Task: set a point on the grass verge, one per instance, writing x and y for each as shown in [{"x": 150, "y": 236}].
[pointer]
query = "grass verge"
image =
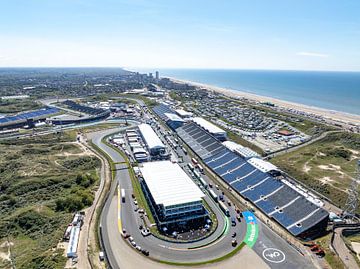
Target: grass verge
[{"x": 222, "y": 258}]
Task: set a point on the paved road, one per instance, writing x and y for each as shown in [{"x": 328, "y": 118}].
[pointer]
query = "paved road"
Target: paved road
[
  {"x": 342, "y": 251},
  {"x": 277, "y": 253}
]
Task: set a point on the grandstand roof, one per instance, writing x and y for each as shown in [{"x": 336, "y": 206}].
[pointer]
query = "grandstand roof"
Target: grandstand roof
[
  {"x": 29, "y": 115},
  {"x": 262, "y": 165},
  {"x": 201, "y": 141},
  {"x": 161, "y": 109},
  {"x": 169, "y": 184},
  {"x": 173, "y": 117},
  {"x": 243, "y": 151},
  {"x": 232, "y": 145},
  {"x": 150, "y": 137},
  {"x": 211, "y": 128}
]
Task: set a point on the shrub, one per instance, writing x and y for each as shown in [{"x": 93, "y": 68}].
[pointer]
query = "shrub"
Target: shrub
[{"x": 74, "y": 201}]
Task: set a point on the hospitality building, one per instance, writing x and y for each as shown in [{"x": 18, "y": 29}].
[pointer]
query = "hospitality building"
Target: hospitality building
[{"x": 175, "y": 200}]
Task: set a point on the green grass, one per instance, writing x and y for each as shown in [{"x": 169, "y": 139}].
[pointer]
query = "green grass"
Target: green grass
[
  {"x": 35, "y": 174},
  {"x": 309, "y": 127},
  {"x": 337, "y": 152},
  {"x": 227, "y": 256},
  {"x": 332, "y": 259},
  {"x": 148, "y": 102},
  {"x": 98, "y": 127},
  {"x": 140, "y": 197},
  {"x": 173, "y": 95},
  {"x": 354, "y": 238},
  {"x": 18, "y": 105}
]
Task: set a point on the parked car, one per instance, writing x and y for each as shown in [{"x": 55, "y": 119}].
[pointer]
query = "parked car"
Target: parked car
[{"x": 145, "y": 232}]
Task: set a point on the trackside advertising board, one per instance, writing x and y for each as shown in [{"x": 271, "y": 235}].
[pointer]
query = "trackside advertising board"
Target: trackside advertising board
[{"x": 252, "y": 228}]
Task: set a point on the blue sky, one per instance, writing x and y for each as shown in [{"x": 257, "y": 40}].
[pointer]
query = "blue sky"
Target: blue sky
[{"x": 257, "y": 34}]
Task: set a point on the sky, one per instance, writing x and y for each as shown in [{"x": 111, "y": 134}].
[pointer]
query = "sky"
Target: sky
[{"x": 257, "y": 34}]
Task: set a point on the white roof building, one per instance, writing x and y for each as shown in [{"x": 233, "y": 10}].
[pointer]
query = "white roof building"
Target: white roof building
[
  {"x": 183, "y": 113},
  {"x": 241, "y": 150},
  {"x": 262, "y": 165},
  {"x": 210, "y": 127},
  {"x": 118, "y": 141},
  {"x": 150, "y": 137},
  {"x": 169, "y": 184},
  {"x": 173, "y": 117}
]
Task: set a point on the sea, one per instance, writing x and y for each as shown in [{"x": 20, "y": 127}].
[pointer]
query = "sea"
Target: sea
[{"x": 339, "y": 91}]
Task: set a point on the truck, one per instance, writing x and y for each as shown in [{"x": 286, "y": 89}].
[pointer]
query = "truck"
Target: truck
[
  {"x": 197, "y": 174},
  {"x": 203, "y": 182},
  {"x": 213, "y": 195},
  {"x": 122, "y": 191},
  {"x": 67, "y": 233},
  {"x": 200, "y": 168},
  {"x": 191, "y": 167},
  {"x": 224, "y": 208},
  {"x": 195, "y": 162}
]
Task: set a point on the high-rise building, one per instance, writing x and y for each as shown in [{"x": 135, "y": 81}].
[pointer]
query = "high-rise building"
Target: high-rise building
[{"x": 157, "y": 75}]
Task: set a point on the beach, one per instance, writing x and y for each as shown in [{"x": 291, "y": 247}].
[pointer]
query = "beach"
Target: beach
[{"x": 330, "y": 115}]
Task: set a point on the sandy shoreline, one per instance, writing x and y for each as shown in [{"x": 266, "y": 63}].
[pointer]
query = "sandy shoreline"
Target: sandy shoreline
[{"x": 326, "y": 113}]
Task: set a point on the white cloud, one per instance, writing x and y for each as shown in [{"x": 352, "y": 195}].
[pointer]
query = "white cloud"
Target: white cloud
[{"x": 312, "y": 54}]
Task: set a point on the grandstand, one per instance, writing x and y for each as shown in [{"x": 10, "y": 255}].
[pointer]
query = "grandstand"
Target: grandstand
[
  {"x": 26, "y": 118},
  {"x": 93, "y": 114},
  {"x": 174, "y": 121},
  {"x": 211, "y": 128},
  {"x": 84, "y": 109},
  {"x": 199, "y": 140},
  {"x": 256, "y": 181},
  {"x": 161, "y": 109}
]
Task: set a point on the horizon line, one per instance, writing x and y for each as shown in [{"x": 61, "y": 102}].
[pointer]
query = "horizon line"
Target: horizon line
[{"x": 176, "y": 68}]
